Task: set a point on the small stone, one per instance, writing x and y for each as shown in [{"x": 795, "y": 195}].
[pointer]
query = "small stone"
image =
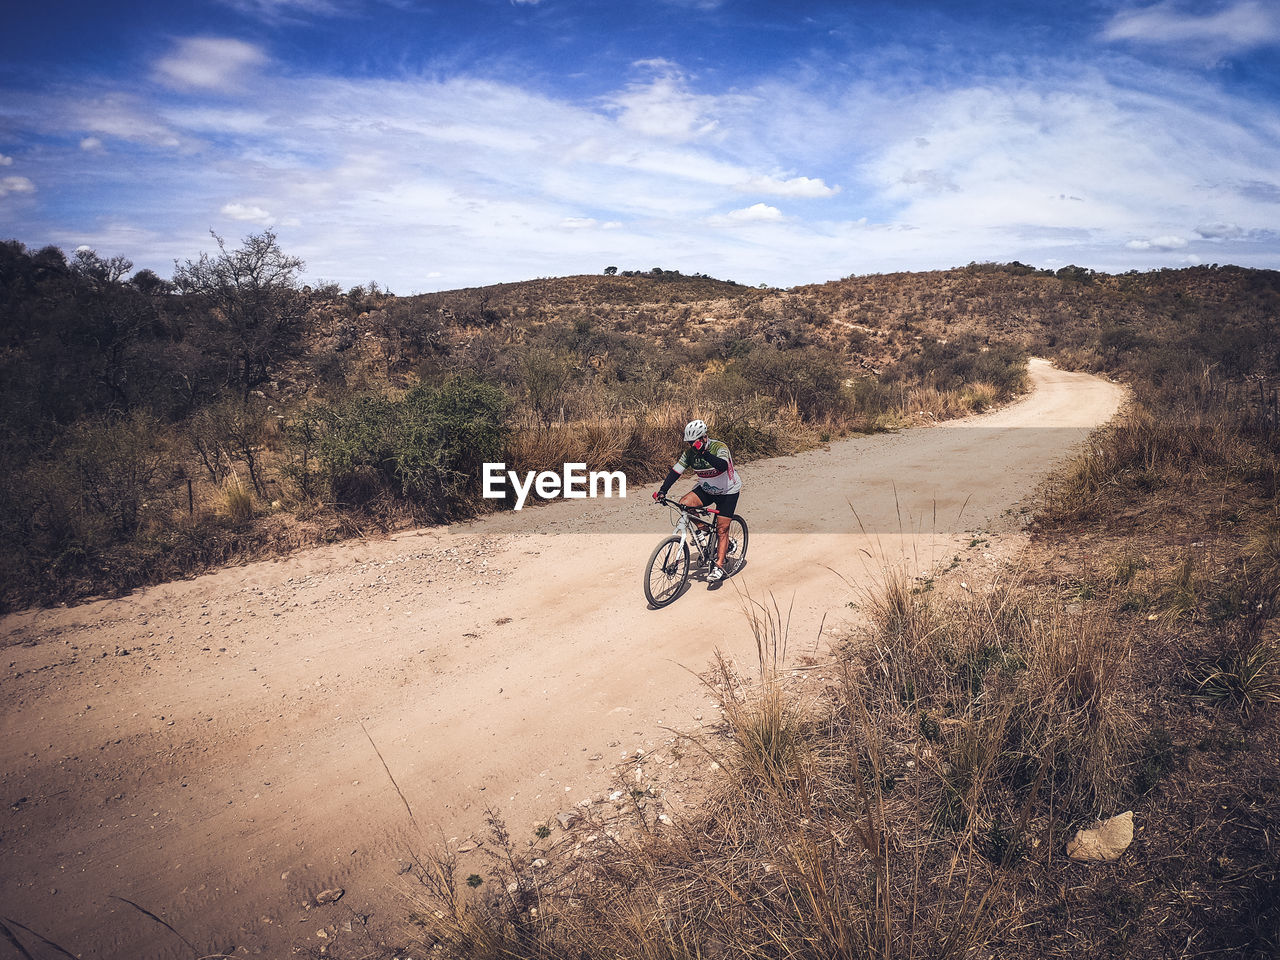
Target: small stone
[
  {"x": 567, "y": 818},
  {"x": 330, "y": 896},
  {"x": 1107, "y": 841},
  {"x": 538, "y": 864}
]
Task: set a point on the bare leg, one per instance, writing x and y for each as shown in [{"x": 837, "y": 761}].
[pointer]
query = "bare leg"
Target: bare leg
[{"x": 691, "y": 499}]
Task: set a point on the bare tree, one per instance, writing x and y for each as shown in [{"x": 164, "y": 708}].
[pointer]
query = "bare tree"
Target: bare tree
[{"x": 254, "y": 302}]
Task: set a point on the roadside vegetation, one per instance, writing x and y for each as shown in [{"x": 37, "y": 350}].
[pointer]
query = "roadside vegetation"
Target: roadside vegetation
[
  {"x": 920, "y": 804},
  {"x": 153, "y": 428}
]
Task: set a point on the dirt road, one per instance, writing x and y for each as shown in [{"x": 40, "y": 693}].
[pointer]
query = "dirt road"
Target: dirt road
[{"x": 200, "y": 748}]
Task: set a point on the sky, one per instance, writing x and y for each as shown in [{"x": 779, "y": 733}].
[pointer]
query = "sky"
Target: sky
[{"x": 435, "y": 145}]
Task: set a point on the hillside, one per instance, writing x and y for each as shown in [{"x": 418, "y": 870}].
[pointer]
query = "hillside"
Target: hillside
[
  {"x": 918, "y": 800},
  {"x": 154, "y": 428}
]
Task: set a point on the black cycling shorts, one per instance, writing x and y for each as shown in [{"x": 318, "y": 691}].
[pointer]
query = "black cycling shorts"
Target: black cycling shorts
[{"x": 726, "y": 503}]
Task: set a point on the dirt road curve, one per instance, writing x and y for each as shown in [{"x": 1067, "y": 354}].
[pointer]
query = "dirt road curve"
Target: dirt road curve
[{"x": 197, "y": 748}]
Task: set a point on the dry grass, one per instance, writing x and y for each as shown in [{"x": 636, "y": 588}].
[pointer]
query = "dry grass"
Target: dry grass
[
  {"x": 235, "y": 500},
  {"x": 881, "y": 819}
]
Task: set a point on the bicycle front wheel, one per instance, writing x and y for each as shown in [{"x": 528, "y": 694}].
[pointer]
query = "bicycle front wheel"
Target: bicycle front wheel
[{"x": 667, "y": 572}]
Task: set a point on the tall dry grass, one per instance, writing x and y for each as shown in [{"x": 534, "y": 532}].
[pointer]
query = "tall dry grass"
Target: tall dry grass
[{"x": 883, "y": 818}]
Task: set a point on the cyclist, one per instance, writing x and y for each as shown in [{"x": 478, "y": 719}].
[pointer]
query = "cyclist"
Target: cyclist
[{"x": 718, "y": 483}]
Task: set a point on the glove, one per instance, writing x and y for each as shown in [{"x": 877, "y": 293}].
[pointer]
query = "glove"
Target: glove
[
  {"x": 700, "y": 444},
  {"x": 657, "y": 495}
]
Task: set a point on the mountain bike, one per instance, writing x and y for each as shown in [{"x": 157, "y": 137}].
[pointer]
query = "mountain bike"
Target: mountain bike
[{"x": 697, "y": 538}]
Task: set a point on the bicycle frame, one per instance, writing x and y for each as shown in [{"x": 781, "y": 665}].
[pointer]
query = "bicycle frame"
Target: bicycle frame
[{"x": 688, "y": 519}]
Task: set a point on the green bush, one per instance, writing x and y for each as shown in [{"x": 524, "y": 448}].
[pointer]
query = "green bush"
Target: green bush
[
  {"x": 425, "y": 447},
  {"x": 445, "y": 435}
]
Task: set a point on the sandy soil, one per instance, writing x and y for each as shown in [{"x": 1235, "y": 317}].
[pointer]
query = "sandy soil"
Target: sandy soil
[{"x": 205, "y": 748}]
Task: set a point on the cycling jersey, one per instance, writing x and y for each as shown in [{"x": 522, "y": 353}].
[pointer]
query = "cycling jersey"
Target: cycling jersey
[{"x": 710, "y": 478}]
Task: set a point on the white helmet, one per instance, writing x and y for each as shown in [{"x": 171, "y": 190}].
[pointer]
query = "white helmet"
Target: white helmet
[{"x": 694, "y": 430}]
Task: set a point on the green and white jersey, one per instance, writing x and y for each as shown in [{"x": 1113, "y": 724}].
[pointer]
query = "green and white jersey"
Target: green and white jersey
[{"x": 709, "y": 477}]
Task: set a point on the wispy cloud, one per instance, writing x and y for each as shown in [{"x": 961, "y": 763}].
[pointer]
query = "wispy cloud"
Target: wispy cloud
[
  {"x": 5, "y": 161},
  {"x": 1241, "y": 26},
  {"x": 460, "y": 180},
  {"x": 1158, "y": 243},
  {"x": 793, "y": 187},
  {"x": 279, "y": 11},
  {"x": 112, "y": 115},
  {"x": 210, "y": 63}
]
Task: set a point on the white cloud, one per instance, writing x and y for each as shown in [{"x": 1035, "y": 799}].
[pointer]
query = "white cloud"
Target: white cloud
[
  {"x": 1241, "y": 26},
  {"x": 10, "y": 185},
  {"x": 1158, "y": 243},
  {"x": 664, "y": 107},
  {"x": 982, "y": 171},
  {"x": 90, "y": 144},
  {"x": 5, "y": 161},
  {"x": 486, "y": 181},
  {"x": 209, "y": 63},
  {"x": 799, "y": 187},
  {"x": 247, "y": 213},
  {"x": 755, "y": 212}
]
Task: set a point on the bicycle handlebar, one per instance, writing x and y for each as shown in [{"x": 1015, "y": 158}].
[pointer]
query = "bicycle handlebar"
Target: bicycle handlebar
[{"x": 684, "y": 507}]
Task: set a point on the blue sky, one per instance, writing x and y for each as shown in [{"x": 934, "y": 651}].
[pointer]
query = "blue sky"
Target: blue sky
[{"x": 429, "y": 145}]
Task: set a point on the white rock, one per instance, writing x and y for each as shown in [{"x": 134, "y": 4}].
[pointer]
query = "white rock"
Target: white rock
[{"x": 1107, "y": 841}]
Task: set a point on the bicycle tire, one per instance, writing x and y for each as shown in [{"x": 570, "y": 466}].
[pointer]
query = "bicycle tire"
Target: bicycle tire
[
  {"x": 672, "y": 560},
  {"x": 734, "y": 560}
]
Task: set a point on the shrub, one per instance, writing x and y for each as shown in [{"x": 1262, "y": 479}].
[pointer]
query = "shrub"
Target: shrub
[
  {"x": 116, "y": 466},
  {"x": 811, "y": 378},
  {"x": 955, "y": 363},
  {"x": 424, "y": 447},
  {"x": 444, "y": 436}
]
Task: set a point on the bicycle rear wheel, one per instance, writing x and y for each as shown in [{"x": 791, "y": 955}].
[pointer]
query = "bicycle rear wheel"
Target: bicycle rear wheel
[
  {"x": 667, "y": 572},
  {"x": 736, "y": 554}
]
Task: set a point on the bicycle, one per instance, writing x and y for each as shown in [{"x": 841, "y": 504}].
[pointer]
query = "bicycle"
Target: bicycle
[{"x": 669, "y": 567}]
